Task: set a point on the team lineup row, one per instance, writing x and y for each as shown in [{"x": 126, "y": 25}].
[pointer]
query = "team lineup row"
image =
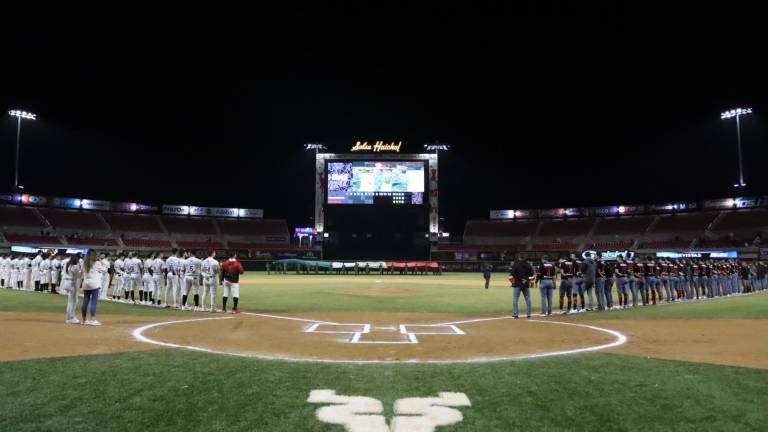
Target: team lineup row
[
  {"x": 649, "y": 282},
  {"x": 160, "y": 281}
]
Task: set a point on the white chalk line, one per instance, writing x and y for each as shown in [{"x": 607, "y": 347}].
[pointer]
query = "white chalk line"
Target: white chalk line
[{"x": 620, "y": 340}]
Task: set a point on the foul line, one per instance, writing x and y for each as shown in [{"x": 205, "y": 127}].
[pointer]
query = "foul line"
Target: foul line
[{"x": 620, "y": 340}]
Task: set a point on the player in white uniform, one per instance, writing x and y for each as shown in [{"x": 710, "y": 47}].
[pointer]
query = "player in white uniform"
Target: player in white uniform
[
  {"x": 172, "y": 278},
  {"x": 104, "y": 277},
  {"x": 133, "y": 276},
  {"x": 26, "y": 273},
  {"x": 119, "y": 267},
  {"x": 55, "y": 273},
  {"x": 182, "y": 270},
  {"x": 145, "y": 289},
  {"x": 14, "y": 271},
  {"x": 211, "y": 271},
  {"x": 158, "y": 279},
  {"x": 35, "y": 270},
  {"x": 44, "y": 271},
  {"x": 192, "y": 268},
  {"x": 4, "y": 272}
]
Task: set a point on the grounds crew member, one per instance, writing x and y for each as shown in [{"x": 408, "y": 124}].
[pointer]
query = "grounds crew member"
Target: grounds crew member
[{"x": 520, "y": 275}]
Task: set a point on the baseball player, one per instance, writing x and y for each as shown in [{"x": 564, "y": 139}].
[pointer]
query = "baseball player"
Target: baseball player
[
  {"x": 132, "y": 277},
  {"x": 35, "y": 270},
  {"x": 192, "y": 271},
  {"x": 231, "y": 270},
  {"x": 622, "y": 281},
  {"x": 210, "y": 270},
  {"x": 172, "y": 279},
  {"x": 157, "y": 268},
  {"x": 3, "y": 271},
  {"x": 55, "y": 272},
  {"x": 44, "y": 272},
  {"x": 545, "y": 276},
  {"x": 119, "y": 267},
  {"x": 566, "y": 283},
  {"x": 104, "y": 276},
  {"x": 577, "y": 290},
  {"x": 26, "y": 273},
  {"x": 146, "y": 280}
]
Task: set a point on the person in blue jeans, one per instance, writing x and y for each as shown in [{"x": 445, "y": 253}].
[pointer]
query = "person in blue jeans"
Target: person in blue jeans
[
  {"x": 93, "y": 269},
  {"x": 545, "y": 275},
  {"x": 520, "y": 275}
]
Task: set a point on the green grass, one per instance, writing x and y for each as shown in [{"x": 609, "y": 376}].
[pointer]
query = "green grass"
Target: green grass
[
  {"x": 168, "y": 390},
  {"x": 438, "y": 294}
]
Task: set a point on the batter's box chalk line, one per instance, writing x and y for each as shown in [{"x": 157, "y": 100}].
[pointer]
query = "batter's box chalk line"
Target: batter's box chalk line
[
  {"x": 408, "y": 332},
  {"x": 409, "y": 329}
]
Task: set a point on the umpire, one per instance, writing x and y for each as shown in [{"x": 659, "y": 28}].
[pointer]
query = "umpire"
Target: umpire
[
  {"x": 487, "y": 269},
  {"x": 520, "y": 275}
]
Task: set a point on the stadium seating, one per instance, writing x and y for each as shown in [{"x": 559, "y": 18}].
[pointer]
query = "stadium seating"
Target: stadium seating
[
  {"x": 19, "y": 217},
  {"x": 565, "y": 228},
  {"x": 32, "y": 239},
  {"x": 694, "y": 222},
  {"x": 623, "y": 226},
  {"x": 555, "y": 247},
  {"x": 498, "y": 231},
  {"x": 144, "y": 243},
  {"x": 265, "y": 246},
  {"x": 612, "y": 245},
  {"x": 92, "y": 242},
  {"x": 668, "y": 244},
  {"x": 481, "y": 248},
  {"x": 755, "y": 220},
  {"x": 73, "y": 220},
  {"x": 189, "y": 244},
  {"x": 255, "y": 227},
  {"x": 183, "y": 225},
  {"x": 133, "y": 223}
]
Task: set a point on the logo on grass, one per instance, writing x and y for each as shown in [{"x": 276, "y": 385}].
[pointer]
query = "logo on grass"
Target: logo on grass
[{"x": 364, "y": 414}]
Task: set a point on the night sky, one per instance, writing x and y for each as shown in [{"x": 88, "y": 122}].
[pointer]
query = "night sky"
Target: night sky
[{"x": 541, "y": 110}]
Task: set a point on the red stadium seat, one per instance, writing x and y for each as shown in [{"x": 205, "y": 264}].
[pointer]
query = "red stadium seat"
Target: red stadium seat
[
  {"x": 32, "y": 239},
  {"x": 143, "y": 243},
  {"x": 73, "y": 220},
  {"x": 19, "y": 217},
  {"x": 128, "y": 223}
]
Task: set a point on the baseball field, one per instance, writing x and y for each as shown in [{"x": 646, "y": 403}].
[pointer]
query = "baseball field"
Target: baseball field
[{"x": 699, "y": 365}]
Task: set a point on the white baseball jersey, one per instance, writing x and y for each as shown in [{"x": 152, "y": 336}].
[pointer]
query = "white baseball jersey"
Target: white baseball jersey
[
  {"x": 210, "y": 267},
  {"x": 45, "y": 266},
  {"x": 192, "y": 267},
  {"x": 35, "y": 264},
  {"x": 172, "y": 265},
  {"x": 133, "y": 266},
  {"x": 147, "y": 265},
  {"x": 119, "y": 267},
  {"x": 26, "y": 264},
  {"x": 157, "y": 265}
]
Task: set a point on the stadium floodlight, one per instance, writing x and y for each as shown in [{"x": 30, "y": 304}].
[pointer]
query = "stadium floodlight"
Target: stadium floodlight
[
  {"x": 437, "y": 146},
  {"x": 19, "y": 114},
  {"x": 315, "y": 146},
  {"x": 737, "y": 112}
]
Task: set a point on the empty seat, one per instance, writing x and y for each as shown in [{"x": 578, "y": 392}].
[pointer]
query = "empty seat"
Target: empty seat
[
  {"x": 19, "y": 216},
  {"x": 500, "y": 228},
  {"x": 695, "y": 222},
  {"x": 623, "y": 225},
  {"x": 182, "y": 225},
  {"x": 133, "y": 223},
  {"x": 32, "y": 239},
  {"x": 253, "y": 227},
  {"x": 144, "y": 243},
  {"x": 566, "y": 228},
  {"x": 73, "y": 220}
]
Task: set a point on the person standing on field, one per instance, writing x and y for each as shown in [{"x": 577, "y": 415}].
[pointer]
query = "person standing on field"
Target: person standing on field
[
  {"x": 210, "y": 270},
  {"x": 487, "y": 269},
  {"x": 93, "y": 269},
  {"x": 545, "y": 276},
  {"x": 520, "y": 275},
  {"x": 70, "y": 272},
  {"x": 231, "y": 270}
]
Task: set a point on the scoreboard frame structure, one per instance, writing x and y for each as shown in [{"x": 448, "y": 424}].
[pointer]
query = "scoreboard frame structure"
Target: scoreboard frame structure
[{"x": 321, "y": 183}]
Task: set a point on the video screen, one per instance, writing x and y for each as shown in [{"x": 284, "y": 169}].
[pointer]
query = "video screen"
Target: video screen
[{"x": 376, "y": 182}]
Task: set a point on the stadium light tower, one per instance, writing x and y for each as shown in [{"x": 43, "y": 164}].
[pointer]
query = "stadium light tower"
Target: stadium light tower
[
  {"x": 737, "y": 112},
  {"x": 19, "y": 114}
]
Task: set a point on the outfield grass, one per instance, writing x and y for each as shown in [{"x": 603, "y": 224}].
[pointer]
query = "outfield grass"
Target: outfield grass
[{"x": 169, "y": 390}]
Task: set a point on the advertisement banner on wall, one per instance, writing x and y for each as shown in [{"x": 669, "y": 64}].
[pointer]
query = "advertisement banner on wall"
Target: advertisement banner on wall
[{"x": 176, "y": 209}]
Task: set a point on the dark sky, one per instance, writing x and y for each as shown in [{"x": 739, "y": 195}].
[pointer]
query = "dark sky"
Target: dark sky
[{"x": 543, "y": 108}]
